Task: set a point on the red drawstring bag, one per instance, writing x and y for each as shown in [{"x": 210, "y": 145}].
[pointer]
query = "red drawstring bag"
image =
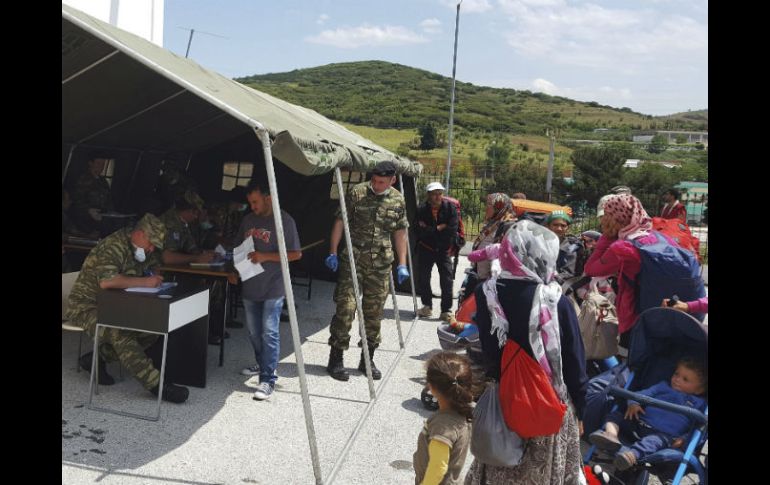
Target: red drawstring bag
[{"x": 529, "y": 402}]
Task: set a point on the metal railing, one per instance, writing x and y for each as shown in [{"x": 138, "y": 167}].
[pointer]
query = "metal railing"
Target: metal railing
[{"x": 472, "y": 191}]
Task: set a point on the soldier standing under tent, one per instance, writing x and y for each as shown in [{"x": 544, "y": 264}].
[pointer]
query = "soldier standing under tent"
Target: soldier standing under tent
[{"x": 375, "y": 212}]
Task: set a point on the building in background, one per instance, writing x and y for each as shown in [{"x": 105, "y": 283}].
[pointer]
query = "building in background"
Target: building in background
[
  {"x": 141, "y": 17},
  {"x": 694, "y": 196}
]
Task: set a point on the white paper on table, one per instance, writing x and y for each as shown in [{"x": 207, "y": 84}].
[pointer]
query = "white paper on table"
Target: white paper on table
[
  {"x": 241, "y": 260},
  {"x": 143, "y": 289},
  {"x": 220, "y": 250}
]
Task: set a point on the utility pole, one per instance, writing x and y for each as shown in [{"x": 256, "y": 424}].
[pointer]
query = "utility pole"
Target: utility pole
[
  {"x": 192, "y": 32},
  {"x": 452, "y": 102},
  {"x": 551, "y": 135}
]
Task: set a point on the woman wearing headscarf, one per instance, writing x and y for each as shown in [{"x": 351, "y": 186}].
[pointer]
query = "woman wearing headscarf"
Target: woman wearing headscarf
[
  {"x": 624, "y": 221},
  {"x": 499, "y": 216},
  {"x": 526, "y": 293}
]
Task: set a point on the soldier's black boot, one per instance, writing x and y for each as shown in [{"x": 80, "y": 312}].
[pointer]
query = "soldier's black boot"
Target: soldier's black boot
[
  {"x": 103, "y": 377},
  {"x": 336, "y": 368},
  {"x": 376, "y": 374}
]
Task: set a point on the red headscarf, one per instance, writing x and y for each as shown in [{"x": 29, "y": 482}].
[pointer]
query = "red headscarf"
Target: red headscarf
[{"x": 628, "y": 211}]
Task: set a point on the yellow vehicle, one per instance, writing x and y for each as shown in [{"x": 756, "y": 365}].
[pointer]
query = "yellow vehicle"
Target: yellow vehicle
[{"x": 526, "y": 206}]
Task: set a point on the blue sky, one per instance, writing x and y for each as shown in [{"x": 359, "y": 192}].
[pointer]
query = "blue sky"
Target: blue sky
[{"x": 648, "y": 55}]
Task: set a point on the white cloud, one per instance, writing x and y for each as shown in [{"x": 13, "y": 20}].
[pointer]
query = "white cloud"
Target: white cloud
[
  {"x": 469, "y": 6},
  {"x": 322, "y": 19},
  {"x": 545, "y": 86},
  {"x": 431, "y": 26},
  {"x": 589, "y": 35},
  {"x": 367, "y": 35},
  {"x": 608, "y": 95}
]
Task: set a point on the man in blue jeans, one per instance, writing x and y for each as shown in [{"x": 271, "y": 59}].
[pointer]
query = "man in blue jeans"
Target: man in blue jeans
[{"x": 263, "y": 294}]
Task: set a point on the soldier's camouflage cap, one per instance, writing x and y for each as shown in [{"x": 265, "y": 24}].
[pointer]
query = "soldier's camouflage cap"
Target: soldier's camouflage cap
[
  {"x": 153, "y": 228},
  {"x": 194, "y": 199}
]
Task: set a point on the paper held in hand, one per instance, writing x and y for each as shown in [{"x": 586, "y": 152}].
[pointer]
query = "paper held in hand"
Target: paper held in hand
[{"x": 241, "y": 260}]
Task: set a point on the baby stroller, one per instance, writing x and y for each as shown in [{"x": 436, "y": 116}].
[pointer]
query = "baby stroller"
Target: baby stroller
[
  {"x": 460, "y": 335},
  {"x": 660, "y": 338}
]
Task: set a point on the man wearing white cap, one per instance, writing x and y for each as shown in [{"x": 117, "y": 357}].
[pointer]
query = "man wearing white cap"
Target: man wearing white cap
[{"x": 436, "y": 232}]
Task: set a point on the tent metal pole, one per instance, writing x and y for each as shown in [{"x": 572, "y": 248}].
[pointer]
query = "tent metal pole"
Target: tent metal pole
[
  {"x": 264, "y": 139},
  {"x": 67, "y": 165},
  {"x": 89, "y": 67},
  {"x": 189, "y": 161},
  {"x": 138, "y": 113},
  {"x": 395, "y": 310},
  {"x": 354, "y": 277},
  {"x": 409, "y": 245},
  {"x": 133, "y": 176}
]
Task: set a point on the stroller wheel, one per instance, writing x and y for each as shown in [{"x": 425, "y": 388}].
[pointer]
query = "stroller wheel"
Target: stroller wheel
[{"x": 428, "y": 400}]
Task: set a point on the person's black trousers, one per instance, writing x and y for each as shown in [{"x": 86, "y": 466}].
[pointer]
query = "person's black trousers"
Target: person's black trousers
[{"x": 443, "y": 262}]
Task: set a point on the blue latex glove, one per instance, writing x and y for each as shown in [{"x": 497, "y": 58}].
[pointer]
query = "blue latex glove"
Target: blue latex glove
[
  {"x": 331, "y": 262},
  {"x": 403, "y": 273}
]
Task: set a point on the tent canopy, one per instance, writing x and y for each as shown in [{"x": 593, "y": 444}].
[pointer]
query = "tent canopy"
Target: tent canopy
[{"x": 156, "y": 100}]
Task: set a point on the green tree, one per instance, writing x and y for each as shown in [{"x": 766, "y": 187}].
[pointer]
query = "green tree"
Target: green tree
[
  {"x": 428, "y": 140},
  {"x": 524, "y": 177},
  {"x": 597, "y": 170},
  {"x": 658, "y": 144},
  {"x": 650, "y": 178},
  {"x": 498, "y": 154}
]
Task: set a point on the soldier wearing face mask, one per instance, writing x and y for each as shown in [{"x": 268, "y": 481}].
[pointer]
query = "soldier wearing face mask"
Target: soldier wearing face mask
[
  {"x": 124, "y": 259},
  {"x": 225, "y": 218}
]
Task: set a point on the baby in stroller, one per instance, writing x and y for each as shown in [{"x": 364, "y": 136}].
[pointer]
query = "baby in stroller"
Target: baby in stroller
[
  {"x": 665, "y": 343},
  {"x": 655, "y": 429}
]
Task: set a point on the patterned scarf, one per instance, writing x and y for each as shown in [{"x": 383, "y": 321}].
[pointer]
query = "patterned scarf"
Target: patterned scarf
[
  {"x": 628, "y": 211},
  {"x": 528, "y": 252},
  {"x": 502, "y": 211}
]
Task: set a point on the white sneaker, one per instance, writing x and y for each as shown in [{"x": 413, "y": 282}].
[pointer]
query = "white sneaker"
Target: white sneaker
[
  {"x": 264, "y": 391},
  {"x": 252, "y": 370},
  {"x": 425, "y": 312}
]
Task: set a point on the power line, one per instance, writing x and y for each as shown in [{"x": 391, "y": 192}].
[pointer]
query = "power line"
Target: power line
[{"x": 192, "y": 32}]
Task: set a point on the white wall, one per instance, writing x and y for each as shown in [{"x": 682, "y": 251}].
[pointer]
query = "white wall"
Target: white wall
[{"x": 141, "y": 17}]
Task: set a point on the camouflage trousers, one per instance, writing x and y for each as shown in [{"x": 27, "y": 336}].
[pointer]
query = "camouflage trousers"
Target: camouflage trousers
[
  {"x": 374, "y": 284},
  {"x": 125, "y": 346}
]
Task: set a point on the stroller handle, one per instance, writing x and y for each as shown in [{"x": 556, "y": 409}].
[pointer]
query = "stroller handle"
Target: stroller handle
[{"x": 694, "y": 414}]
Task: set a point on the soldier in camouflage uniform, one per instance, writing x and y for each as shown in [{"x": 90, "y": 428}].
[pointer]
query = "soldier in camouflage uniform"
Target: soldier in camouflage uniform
[
  {"x": 120, "y": 261},
  {"x": 92, "y": 195},
  {"x": 375, "y": 212},
  {"x": 181, "y": 248},
  {"x": 225, "y": 218}
]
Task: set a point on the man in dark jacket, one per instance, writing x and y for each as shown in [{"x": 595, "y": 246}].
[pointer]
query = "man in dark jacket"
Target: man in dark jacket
[{"x": 436, "y": 233}]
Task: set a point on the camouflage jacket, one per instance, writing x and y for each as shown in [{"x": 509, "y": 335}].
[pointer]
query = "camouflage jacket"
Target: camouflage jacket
[
  {"x": 112, "y": 256},
  {"x": 374, "y": 218},
  {"x": 92, "y": 193},
  {"x": 226, "y": 223},
  {"x": 178, "y": 235}
]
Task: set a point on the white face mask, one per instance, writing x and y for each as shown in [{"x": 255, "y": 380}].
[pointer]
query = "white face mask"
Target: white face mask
[
  {"x": 377, "y": 193},
  {"x": 206, "y": 225},
  {"x": 139, "y": 255}
]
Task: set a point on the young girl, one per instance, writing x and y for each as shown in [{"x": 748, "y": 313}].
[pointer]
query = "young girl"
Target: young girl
[{"x": 446, "y": 436}]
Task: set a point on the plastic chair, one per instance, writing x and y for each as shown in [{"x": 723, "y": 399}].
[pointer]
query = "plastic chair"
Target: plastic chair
[{"x": 67, "y": 280}]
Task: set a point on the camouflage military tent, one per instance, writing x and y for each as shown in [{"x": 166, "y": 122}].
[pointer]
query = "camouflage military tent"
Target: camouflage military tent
[{"x": 157, "y": 100}]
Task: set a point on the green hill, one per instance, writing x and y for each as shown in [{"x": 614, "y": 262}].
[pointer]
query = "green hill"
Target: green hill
[{"x": 386, "y": 95}]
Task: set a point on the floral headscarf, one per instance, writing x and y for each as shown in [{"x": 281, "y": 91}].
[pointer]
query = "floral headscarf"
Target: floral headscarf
[
  {"x": 528, "y": 252},
  {"x": 628, "y": 211}
]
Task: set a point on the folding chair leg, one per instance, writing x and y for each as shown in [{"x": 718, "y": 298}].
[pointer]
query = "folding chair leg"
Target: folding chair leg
[{"x": 77, "y": 358}]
